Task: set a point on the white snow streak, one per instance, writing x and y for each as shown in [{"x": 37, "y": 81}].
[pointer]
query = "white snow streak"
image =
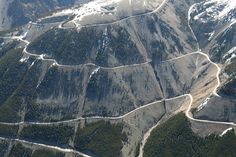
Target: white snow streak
[{"x": 224, "y": 132}]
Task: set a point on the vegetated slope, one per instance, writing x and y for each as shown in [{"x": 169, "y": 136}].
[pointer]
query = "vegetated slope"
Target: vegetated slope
[
  {"x": 18, "y": 82},
  {"x": 218, "y": 109},
  {"x": 92, "y": 135},
  {"x": 175, "y": 138},
  {"x": 3, "y": 147},
  {"x": 209, "y": 18},
  {"x": 101, "y": 139},
  {"x": 229, "y": 88},
  {"x": 130, "y": 53},
  {"x": 53, "y": 135},
  {"x": 98, "y": 138},
  {"x": 110, "y": 47},
  {"x": 213, "y": 23},
  {"x": 20, "y": 150},
  {"x": 222, "y": 50},
  {"x": 131, "y": 71},
  {"x": 222, "y": 108}
]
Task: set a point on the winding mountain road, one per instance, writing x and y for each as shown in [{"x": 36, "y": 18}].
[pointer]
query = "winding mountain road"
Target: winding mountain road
[
  {"x": 114, "y": 22},
  {"x": 64, "y": 150},
  {"x": 188, "y": 111}
]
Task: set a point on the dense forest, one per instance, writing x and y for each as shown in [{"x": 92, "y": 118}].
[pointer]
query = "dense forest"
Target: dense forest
[
  {"x": 19, "y": 150},
  {"x": 88, "y": 45},
  {"x": 176, "y": 139},
  {"x": 55, "y": 135},
  {"x": 101, "y": 138}
]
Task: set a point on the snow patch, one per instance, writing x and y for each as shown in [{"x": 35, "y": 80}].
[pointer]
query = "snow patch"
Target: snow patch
[
  {"x": 104, "y": 42},
  {"x": 38, "y": 84},
  {"x": 94, "y": 72},
  {"x": 211, "y": 35},
  {"x": 224, "y": 132},
  {"x": 230, "y": 55},
  {"x": 198, "y": 16},
  {"x": 230, "y": 4},
  {"x": 92, "y": 8},
  {"x": 41, "y": 57},
  {"x": 24, "y": 34},
  {"x": 54, "y": 64},
  {"x": 32, "y": 64},
  {"x": 106, "y": 39},
  {"x": 228, "y": 61},
  {"x": 200, "y": 107},
  {"x": 24, "y": 59},
  {"x": 216, "y": 10},
  {"x": 2, "y": 43}
]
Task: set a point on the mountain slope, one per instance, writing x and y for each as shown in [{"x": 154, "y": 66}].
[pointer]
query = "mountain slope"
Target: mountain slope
[
  {"x": 19, "y": 12},
  {"x": 120, "y": 67}
]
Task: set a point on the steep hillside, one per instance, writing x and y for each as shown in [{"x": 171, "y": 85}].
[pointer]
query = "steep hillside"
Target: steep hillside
[
  {"x": 186, "y": 143},
  {"x": 96, "y": 79},
  {"x": 213, "y": 22},
  {"x": 19, "y": 12}
]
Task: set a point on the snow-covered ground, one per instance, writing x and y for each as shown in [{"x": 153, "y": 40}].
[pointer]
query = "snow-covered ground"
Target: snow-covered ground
[
  {"x": 224, "y": 132},
  {"x": 202, "y": 105},
  {"x": 212, "y": 18},
  {"x": 217, "y": 9},
  {"x": 99, "y": 11},
  {"x": 230, "y": 55}
]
